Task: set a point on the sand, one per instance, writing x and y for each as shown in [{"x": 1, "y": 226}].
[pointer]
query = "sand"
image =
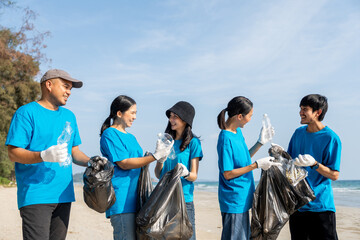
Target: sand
[{"x": 88, "y": 224}]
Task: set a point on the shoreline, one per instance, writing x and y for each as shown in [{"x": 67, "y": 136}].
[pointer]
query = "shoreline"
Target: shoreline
[{"x": 85, "y": 223}]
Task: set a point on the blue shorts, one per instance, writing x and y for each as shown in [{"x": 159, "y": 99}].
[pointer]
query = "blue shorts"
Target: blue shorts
[
  {"x": 191, "y": 214},
  {"x": 124, "y": 226},
  {"x": 236, "y": 226}
]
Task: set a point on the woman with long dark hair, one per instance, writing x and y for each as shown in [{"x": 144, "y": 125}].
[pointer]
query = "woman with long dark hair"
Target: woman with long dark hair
[
  {"x": 122, "y": 148},
  {"x": 188, "y": 152},
  {"x": 236, "y": 181}
]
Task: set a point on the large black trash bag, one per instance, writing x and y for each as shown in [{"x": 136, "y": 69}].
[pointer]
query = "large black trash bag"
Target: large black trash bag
[
  {"x": 144, "y": 189},
  {"x": 280, "y": 192},
  {"x": 98, "y": 190},
  {"x": 164, "y": 214}
]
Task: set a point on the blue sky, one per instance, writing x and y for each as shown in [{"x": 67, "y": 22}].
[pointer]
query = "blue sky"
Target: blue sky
[{"x": 206, "y": 52}]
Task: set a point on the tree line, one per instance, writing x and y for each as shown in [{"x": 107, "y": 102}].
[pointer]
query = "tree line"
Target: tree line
[{"x": 20, "y": 58}]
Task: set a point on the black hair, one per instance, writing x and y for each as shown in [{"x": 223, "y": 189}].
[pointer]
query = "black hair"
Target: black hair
[
  {"x": 121, "y": 103},
  {"x": 237, "y": 105},
  {"x": 316, "y": 102}
]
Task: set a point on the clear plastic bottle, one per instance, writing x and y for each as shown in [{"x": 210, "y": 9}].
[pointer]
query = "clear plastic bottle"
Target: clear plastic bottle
[
  {"x": 167, "y": 140},
  {"x": 65, "y": 137},
  {"x": 267, "y": 125}
]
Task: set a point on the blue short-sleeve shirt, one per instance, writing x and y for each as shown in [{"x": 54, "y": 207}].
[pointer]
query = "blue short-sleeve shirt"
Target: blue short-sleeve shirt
[
  {"x": 36, "y": 128},
  {"x": 235, "y": 195},
  {"x": 193, "y": 150},
  {"x": 117, "y": 146},
  {"x": 325, "y": 147}
]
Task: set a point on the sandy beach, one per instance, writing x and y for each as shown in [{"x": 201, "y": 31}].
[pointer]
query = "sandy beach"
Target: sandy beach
[{"x": 88, "y": 224}]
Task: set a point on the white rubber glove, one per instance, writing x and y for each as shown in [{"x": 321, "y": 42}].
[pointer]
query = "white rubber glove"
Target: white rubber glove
[
  {"x": 266, "y": 162},
  {"x": 162, "y": 151},
  {"x": 56, "y": 153},
  {"x": 266, "y": 134},
  {"x": 185, "y": 172},
  {"x": 305, "y": 160}
]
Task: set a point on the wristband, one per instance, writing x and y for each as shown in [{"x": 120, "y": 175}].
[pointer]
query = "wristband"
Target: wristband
[{"x": 316, "y": 166}]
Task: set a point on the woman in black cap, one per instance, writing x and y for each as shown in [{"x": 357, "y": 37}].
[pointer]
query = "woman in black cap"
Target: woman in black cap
[{"x": 188, "y": 152}]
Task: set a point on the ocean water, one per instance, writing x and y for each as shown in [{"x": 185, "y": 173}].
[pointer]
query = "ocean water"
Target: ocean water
[{"x": 346, "y": 192}]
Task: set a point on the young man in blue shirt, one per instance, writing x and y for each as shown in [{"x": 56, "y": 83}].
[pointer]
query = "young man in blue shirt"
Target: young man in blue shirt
[
  {"x": 317, "y": 148},
  {"x": 43, "y": 166}
]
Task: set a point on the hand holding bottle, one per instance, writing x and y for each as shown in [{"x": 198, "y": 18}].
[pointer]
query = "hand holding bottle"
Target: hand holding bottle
[
  {"x": 267, "y": 131},
  {"x": 56, "y": 153}
]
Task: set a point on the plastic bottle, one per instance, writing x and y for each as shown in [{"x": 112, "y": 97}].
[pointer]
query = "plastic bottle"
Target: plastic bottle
[
  {"x": 65, "y": 137},
  {"x": 267, "y": 125},
  {"x": 167, "y": 140}
]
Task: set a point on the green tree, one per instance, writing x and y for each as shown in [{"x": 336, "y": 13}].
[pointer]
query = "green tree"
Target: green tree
[{"x": 20, "y": 58}]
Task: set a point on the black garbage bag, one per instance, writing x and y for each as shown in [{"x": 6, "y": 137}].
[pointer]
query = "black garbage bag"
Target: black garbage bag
[
  {"x": 99, "y": 193},
  {"x": 164, "y": 214},
  {"x": 144, "y": 189},
  {"x": 280, "y": 192}
]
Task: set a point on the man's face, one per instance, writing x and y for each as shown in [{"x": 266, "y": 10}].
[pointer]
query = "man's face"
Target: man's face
[
  {"x": 60, "y": 91},
  {"x": 307, "y": 115}
]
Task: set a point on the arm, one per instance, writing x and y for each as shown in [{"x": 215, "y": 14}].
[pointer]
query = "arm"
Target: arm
[
  {"x": 158, "y": 168},
  {"x": 79, "y": 158},
  {"x": 327, "y": 172},
  {"x": 307, "y": 160},
  {"x": 21, "y": 155},
  {"x": 239, "y": 171},
  {"x": 255, "y": 148},
  {"x": 132, "y": 163},
  {"x": 194, "y": 168}
]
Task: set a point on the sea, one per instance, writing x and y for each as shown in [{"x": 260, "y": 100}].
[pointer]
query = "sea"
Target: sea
[{"x": 346, "y": 192}]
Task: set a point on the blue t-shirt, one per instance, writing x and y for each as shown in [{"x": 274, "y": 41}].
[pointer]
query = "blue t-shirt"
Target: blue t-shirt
[
  {"x": 36, "y": 128},
  {"x": 325, "y": 147},
  {"x": 235, "y": 195},
  {"x": 117, "y": 146},
  {"x": 193, "y": 150}
]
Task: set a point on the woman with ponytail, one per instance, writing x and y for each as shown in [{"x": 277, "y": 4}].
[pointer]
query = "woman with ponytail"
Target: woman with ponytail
[
  {"x": 236, "y": 181},
  {"x": 188, "y": 152},
  {"x": 122, "y": 149}
]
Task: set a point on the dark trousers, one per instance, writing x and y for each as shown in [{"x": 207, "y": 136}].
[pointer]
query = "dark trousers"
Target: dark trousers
[
  {"x": 45, "y": 221},
  {"x": 313, "y": 226}
]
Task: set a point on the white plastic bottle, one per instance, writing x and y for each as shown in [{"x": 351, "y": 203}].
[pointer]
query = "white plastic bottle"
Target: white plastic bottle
[
  {"x": 267, "y": 125},
  {"x": 65, "y": 137},
  {"x": 167, "y": 140}
]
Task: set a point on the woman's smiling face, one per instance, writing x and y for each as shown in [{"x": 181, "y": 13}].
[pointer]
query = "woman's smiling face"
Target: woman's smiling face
[{"x": 177, "y": 124}]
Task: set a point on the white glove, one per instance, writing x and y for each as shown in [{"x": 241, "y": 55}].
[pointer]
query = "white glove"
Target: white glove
[
  {"x": 266, "y": 162},
  {"x": 266, "y": 134},
  {"x": 185, "y": 172},
  {"x": 304, "y": 160},
  {"x": 162, "y": 151},
  {"x": 56, "y": 153}
]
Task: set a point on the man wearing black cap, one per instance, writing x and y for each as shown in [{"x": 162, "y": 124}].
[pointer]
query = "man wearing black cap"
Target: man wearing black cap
[{"x": 43, "y": 165}]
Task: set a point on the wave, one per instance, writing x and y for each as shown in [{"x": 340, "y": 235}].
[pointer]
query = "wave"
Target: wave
[{"x": 349, "y": 190}]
